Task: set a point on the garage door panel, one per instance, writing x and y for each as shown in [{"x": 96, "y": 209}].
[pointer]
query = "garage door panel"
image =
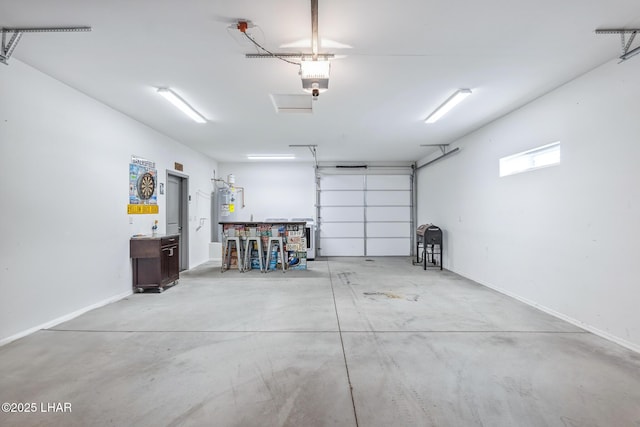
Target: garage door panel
[
  {"x": 391, "y": 213},
  {"x": 341, "y": 214},
  {"x": 348, "y": 229},
  {"x": 343, "y": 247},
  {"x": 388, "y": 247},
  {"x": 388, "y": 182},
  {"x": 342, "y": 198},
  {"x": 389, "y": 229},
  {"x": 342, "y": 182},
  {"x": 386, "y": 198}
]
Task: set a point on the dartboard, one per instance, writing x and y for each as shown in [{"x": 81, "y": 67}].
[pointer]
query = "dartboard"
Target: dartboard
[{"x": 146, "y": 186}]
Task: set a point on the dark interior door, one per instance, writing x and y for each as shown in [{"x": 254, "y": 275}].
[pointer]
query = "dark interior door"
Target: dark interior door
[{"x": 177, "y": 214}]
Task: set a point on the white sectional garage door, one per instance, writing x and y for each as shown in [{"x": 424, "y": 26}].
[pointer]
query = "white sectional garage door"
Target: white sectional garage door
[{"x": 365, "y": 215}]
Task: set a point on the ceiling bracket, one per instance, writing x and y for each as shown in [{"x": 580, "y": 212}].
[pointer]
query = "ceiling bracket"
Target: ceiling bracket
[
  {"x": 7, "y": 48},
  {"x": 627, "y": 52},
  {"x": 301, "y": 56},
  {"x": 312, "y": 148},
  {"x": 443, "y": 147},
  {"x": 442, "y": 156}
]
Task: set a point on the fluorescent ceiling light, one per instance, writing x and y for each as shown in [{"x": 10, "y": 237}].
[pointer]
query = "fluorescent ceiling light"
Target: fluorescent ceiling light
[
  {"x": 181, "y": 104},
  {"x": 453, "y": 100},
  {"x": 271, "y": 157}
]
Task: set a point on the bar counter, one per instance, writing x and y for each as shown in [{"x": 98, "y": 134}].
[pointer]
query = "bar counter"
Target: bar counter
[{"x": 292, "y": 233}]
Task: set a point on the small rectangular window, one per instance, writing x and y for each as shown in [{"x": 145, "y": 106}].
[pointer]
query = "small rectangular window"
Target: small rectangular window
[{"x": 536, "y": 158}]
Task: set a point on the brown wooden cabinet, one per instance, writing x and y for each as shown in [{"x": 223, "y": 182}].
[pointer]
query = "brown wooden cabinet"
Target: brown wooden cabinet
[{"x": 156, "y": 261}]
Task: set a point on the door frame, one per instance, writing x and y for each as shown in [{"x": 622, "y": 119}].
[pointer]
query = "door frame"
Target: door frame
[
  {"x": 184, "y": 216},
  {"x": 366, "y": 172}
]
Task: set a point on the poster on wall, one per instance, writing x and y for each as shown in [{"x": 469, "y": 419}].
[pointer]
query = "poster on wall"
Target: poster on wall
[{"x": 143, "y": 198}]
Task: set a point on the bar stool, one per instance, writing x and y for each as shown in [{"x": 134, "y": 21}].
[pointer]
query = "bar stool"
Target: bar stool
[
  {"x": 227, "y": 253},
  {"x": 247, "y": 252},
  {"x": 278, "y": 240}
]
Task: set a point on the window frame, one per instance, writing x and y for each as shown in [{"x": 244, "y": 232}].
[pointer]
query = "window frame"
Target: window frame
[{"x": 507, "y": 165}]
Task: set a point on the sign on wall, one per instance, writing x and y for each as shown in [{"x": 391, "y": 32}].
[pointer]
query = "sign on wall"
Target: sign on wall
[{"x": 143, "y": 198}]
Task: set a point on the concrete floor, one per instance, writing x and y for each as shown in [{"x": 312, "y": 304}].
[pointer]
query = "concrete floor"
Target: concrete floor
[{"x": 351, "y": 342}]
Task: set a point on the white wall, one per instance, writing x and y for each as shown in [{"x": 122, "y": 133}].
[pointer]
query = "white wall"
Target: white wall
[
  {"x": 563, "y": 238},
  {"x": 273, "y": 190},
  {"x": 64, "y": 227}
]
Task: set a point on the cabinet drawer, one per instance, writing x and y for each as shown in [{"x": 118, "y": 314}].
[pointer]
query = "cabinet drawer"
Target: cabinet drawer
[{"x": 169, "y": 240}]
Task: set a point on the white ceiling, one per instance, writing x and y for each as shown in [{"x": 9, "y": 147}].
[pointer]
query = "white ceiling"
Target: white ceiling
[{"x": 407, "y": 57}]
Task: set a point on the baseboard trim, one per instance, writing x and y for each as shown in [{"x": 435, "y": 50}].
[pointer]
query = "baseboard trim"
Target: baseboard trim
[
  {"x": 64, "y": 318},
  {"x": 575, "y": 322}
]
